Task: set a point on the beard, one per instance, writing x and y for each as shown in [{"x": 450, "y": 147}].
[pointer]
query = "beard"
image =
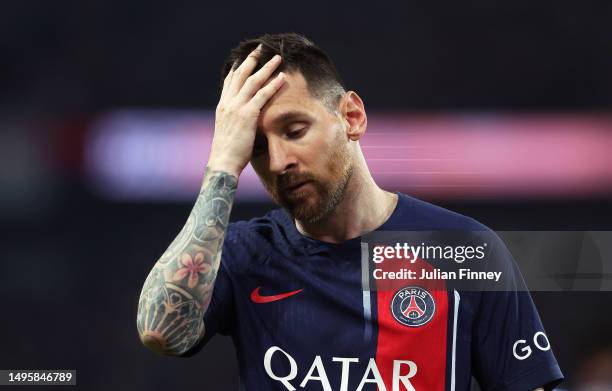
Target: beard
[{"x": 319, "y": 197}]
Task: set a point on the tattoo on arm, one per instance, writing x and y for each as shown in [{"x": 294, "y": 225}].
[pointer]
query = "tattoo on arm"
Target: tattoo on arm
[{"x": 178, "y": 289}]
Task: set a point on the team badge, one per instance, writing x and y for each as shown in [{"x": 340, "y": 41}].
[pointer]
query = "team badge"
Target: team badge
[{"x": 413, "y": 306}]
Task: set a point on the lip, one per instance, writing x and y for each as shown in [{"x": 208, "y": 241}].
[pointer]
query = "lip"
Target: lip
[{"x": 297, "y": 187}]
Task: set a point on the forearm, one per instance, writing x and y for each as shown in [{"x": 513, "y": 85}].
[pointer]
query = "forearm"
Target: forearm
[{"x": 177, "y": 292}]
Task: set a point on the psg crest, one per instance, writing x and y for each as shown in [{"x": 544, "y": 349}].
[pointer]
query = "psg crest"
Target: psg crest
[{"x": 413, "y": 306}]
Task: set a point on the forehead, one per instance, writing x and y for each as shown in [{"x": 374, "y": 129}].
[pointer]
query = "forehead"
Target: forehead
[{"x": 293, "y": 97}]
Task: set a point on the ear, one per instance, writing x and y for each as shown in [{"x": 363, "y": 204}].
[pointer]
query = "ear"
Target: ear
[{"x": 353, "y": 113}]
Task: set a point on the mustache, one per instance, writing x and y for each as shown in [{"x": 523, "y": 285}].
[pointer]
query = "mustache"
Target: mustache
[{"x": 291, "y": 179}]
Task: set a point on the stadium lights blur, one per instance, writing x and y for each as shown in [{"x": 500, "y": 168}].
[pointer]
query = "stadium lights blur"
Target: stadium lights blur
[{"x": 161, "y": 155}]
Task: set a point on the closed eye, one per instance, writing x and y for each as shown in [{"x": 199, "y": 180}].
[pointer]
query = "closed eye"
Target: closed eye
[{"x": 296, "y": 133}]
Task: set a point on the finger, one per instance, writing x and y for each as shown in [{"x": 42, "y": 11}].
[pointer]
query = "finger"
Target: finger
[
  {"x": 254, "y": 82},
  {"x": 226, "y": 82},
  {"x": 243, "y": 71},
  {"x": 264, "y": 94}
]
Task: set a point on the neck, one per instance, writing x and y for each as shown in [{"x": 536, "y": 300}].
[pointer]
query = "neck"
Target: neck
[{"x": 355, "y": 214}]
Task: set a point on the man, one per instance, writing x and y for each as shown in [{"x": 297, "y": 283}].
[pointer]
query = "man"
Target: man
[{"x": 289, "y": 287}]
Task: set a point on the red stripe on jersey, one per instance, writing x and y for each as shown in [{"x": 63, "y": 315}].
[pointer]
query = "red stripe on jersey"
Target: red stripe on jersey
[{"x": 425, "y": 345}]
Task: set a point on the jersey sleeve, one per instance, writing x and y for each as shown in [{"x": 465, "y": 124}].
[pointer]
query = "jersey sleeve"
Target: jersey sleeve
[{"x": 510, "y": 349}]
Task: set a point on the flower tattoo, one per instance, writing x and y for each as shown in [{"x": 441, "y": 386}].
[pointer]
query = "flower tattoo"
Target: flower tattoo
[{"x": 191, "y": 267}]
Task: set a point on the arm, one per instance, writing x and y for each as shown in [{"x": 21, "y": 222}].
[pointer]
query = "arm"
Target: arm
[
  {"x": 177, "y": 292},
  {"x": 179, "y": 287}
]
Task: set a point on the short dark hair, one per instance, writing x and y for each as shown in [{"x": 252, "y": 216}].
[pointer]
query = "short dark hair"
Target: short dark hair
[{"x": 298, "y": 54}]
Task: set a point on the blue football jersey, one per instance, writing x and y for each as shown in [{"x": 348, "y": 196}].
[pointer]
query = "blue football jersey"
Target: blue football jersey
[{"x": 306, "y": 315}]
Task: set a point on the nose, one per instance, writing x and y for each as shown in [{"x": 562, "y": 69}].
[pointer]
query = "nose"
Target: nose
[{"x": 281, "y": 158}]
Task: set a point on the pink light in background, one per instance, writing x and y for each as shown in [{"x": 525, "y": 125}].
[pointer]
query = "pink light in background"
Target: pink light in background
[
  {"x": 161, "y": 155},
  {"x": 498, "y": 156},
  {"x": 154, "y": 155}
]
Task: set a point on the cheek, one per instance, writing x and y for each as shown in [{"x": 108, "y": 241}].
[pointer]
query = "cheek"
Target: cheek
[
  {"x": 323, "y": 150},
  {"x": 336, "y": 154}
]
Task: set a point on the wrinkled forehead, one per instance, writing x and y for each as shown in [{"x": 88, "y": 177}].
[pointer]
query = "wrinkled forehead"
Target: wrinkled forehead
[{"x": 292, "y": 101}]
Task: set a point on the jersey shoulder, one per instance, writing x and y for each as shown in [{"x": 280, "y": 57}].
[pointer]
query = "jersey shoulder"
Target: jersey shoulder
[{"x": 417, "y": 214}]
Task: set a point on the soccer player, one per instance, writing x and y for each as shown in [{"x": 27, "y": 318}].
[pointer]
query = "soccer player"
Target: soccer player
[{"x": 293, "y": 287}]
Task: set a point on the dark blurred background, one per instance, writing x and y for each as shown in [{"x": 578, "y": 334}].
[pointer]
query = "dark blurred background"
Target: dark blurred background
[{"x": 498, "y": 110}]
